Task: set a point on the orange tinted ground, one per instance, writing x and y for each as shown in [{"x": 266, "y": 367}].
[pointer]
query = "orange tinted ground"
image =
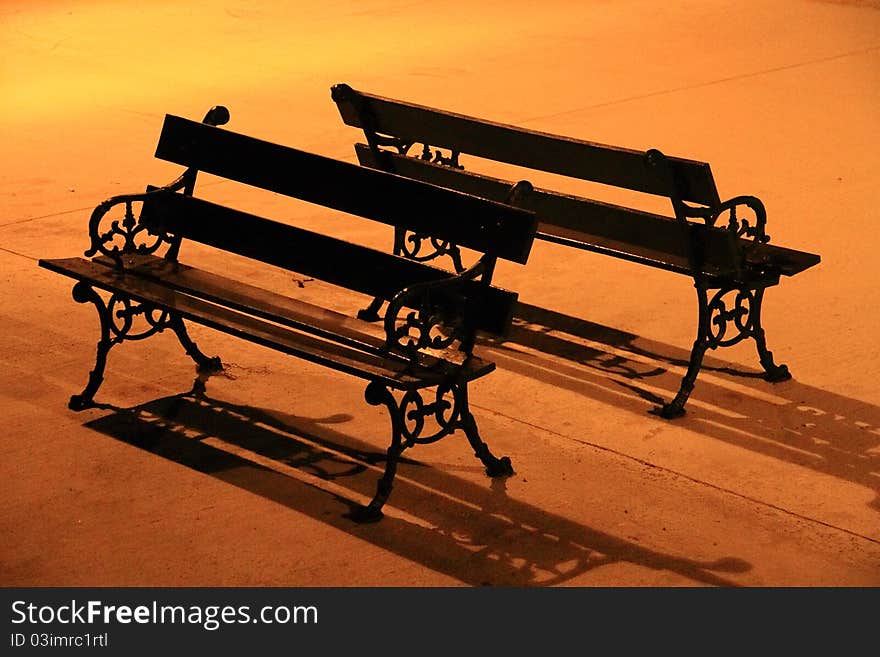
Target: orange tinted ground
[{"x": 758, "y": 485}]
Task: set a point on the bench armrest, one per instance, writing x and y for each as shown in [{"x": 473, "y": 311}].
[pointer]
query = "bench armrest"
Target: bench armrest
[
  {"x": 437, "y": 314},
  {"x": 732, "y": 230},
  {"x": 745, "y": 218},
  {"x": 747, "y": 227},
  {"x": 125, "y": 235}
]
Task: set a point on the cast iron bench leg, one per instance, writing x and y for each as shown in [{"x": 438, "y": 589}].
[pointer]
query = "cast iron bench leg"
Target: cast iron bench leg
[
  {"x": 704, "y": 341},
  {"x": 495, "y": 467},
  {"x": 205, "y": 364},
  {"x": 84, "y": 293},
  {"x": 773, "y": 373},
  {"x": 675, "y": 408},
  {"x": 376, "y": 394},
  {"x": 716, "y": 316},
  {"x": 407, "y": 428},
  {"x": 371, "y": 312},
  {"x": 116, "y": 317}
]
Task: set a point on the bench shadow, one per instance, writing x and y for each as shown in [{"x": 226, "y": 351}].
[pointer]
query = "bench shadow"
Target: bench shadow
[
  {"x": 474, "y": 533},
  {"x": 791, "y": 421}
]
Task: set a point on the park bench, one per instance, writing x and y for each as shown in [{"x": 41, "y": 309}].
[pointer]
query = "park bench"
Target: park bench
[
  {"x": 418, "y": 364},
  {"x": 723, "y": 246}
]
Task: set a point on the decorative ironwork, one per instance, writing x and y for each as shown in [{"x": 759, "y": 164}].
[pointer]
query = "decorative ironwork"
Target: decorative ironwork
[
  {"x": 124, "y": 235},
  {"x": 411, "y": 247},
  {"x": 439, "y": 316},
  {"x": 438, "y": 157},
  {"x": 753, "y": 226},
  {"x": 427, "y": 328},
  {"x": 724, "y": 313},
  {"x": 443, "y": 412},
  {"x": 123, "y": 311},
  {"x": 118, "y": 317},
  {"x": 725, "y": 321},
  {"x": 447, "y": 413},
  {"x": 401, "y": 145}
]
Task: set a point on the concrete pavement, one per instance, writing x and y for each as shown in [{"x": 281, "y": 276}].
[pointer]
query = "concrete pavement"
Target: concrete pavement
[{"x": 759, "y": 485}]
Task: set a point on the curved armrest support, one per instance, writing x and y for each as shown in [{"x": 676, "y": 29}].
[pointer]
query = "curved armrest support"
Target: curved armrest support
[
  {"x": 753, "y": 227},
  {"x": 438, "y": 316},
  {"x": 124, "y": 235}
]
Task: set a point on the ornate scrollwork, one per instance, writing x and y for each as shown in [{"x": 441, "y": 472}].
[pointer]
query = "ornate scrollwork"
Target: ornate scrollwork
[
  {"x": 124, "y": 235},
  {"x": 438, "y": 157},
  {"x": 123, "y": 312},
  {"x": 412, "y": 244},
  {"x": 753, "y": 226},
  {"x": 438, "y": 317},
  {"x": 417, "y": 420},
  {"x": 725, "y": 313},
  {"x": 433, "y": 326},
  {"x": 443, "y": 415},
  {"x": 377, "y": 140},
  {"x": 413, "y": 421}
]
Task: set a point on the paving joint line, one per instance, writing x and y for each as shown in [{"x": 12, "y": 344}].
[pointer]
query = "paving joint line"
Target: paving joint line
[
  {"x": 20, "y": 255},
  {"x": 16, "y": 222},
  {"x": 700, "y": 85},
  {"x": 707, "y": 484},
  {"x": 25, "y": 220}
]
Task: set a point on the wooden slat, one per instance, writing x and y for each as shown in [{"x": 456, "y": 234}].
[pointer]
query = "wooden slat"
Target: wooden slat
[
  {"x": 679, "y": 263},
  {"x": 332, "y": 260},
  {"x": 263, "y": 303},
  {"x": 359, "y": 363},
  {"x": 601, "y": 163},
  {"x": 651, "y": 239},
  {"x": 466, "y": 220},
  {"x": 781, "y": 260},
  {"x": 254, "y": 300}
]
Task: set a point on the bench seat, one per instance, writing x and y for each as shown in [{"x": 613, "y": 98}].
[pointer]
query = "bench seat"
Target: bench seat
[{"x": 350, "y": 345}]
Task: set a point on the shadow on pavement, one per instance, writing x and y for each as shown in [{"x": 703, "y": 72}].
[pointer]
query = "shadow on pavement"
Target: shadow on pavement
[
  {"x": 474, "y": 533},
  {"x": 791, "y": 421}
]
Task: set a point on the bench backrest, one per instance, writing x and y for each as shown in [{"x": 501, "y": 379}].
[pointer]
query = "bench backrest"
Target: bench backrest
[
  {"x": 674, "y": 243},
  {"x": 663, "y": 241},
  {"x": 689, "y": 180},
  {"x": 312, "y": 254},
  {"x": 495, "y": 229},
  {"x": 470, "y": 221}
]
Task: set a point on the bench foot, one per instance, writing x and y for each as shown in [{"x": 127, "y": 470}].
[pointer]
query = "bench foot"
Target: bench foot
[
  {"x": 371, "y": 312},
  {"x": 669, "y": 411},
  {"x": 772, "y": 372},
  {"x": 80, "y": 402},
  {"x": 211, "y": 365},
  {"x": 501, "y": 468},
  {"x": 495, "y": 467},
  {"x": 204, "y": 364},
  {"x": 364, "y": 515},
  {"x": 675, "y": 408},
  {"x": 777, "y": 374}
]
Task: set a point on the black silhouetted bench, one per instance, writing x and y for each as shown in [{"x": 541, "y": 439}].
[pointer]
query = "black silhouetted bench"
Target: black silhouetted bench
[
  {"x": 419, "y": 366},
  {"x": 723, "y": 246}
]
